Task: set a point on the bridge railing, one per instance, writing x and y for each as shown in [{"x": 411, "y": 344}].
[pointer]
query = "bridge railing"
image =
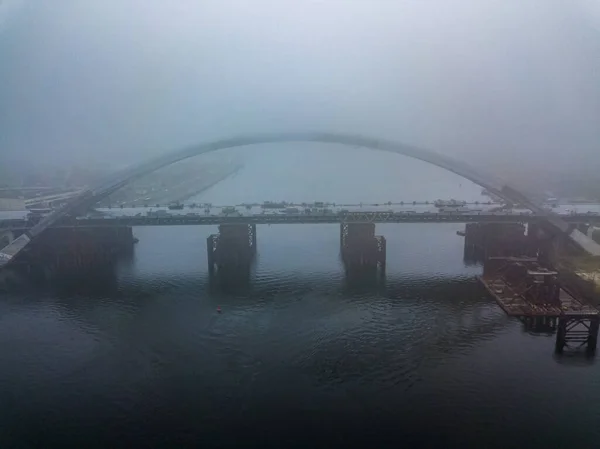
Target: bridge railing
[{"x": 372, "y": 217}]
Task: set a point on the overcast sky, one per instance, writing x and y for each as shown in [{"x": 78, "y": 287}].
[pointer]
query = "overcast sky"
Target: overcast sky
[{"x": 99, "y": 79}]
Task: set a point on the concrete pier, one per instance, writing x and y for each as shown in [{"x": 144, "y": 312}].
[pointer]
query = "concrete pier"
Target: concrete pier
[
  {"x": 485, "y": 240},
  {"x": 71, "y": 251},
  {"x": 361, "y": 250},
  {"x": 233, "y": 249}
]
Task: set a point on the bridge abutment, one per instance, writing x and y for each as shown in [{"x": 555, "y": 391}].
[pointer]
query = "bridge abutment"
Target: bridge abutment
[
  {"x": 361, "y": 250},
  {"x": 233, "y": 249}
]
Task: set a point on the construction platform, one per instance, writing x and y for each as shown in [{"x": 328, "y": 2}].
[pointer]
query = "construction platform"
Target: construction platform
[{"x": 525, "y": 289}]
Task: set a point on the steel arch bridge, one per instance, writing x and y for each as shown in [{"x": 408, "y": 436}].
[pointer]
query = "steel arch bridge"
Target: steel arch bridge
[{"x": 88, "y": 198}]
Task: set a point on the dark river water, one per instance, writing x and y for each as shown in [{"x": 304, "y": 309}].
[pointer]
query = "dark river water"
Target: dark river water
[{"x": 300, "y": 356}]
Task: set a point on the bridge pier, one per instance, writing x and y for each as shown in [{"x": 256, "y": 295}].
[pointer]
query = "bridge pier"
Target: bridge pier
[
  {"x": 361, "y": 250},
  {"x": 72, "y": 250},
  {"x": 484, "y": 240},
  {"x": 233, "y": 249}
]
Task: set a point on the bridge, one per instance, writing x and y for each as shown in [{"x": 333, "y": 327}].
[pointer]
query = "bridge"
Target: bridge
[
  {"x": 313, "y": 218},
  {"x": 491, "y": 183}
]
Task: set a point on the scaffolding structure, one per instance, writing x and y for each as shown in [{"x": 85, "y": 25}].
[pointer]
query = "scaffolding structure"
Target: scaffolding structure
[{"x": 525, "y": 289}]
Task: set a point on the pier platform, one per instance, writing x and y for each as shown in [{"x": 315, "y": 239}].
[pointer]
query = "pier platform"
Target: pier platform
[{"x": 525, "y": 289}]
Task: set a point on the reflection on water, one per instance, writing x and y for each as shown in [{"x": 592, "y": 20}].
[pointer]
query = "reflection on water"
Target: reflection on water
[{"x": 300, "y": 356}]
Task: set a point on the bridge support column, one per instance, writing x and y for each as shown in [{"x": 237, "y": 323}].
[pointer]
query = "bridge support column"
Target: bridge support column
[
  {"x": 361, "y": 249},
  {"x": 73, "y": 250},
  {"x": 575, "y": 332},
  {"x": 232, "y": 249},
  {"x": 474, "y": 248},
  {"x": 483, "y": 240}
]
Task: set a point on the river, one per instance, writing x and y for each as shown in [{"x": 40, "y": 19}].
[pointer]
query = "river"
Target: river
[{"x": 300, "y": 356}]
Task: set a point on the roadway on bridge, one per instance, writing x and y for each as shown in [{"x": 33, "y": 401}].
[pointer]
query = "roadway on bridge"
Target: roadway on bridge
[
  {"x": 407, "y": 206},
  {"x": 216, "y": 215},
  {"x": 396, "y": 206},
  {"x": 152, "y": 219}
]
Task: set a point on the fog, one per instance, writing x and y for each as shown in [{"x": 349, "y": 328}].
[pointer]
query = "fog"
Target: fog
[{"x": 113, "y": 80}]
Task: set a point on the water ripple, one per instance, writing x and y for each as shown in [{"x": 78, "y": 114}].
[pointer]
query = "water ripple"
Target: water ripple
[{"x": 146, "y": 353}]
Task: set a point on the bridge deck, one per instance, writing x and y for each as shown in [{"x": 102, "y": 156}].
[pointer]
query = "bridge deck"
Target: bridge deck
[{"x": 368, "y": 217}]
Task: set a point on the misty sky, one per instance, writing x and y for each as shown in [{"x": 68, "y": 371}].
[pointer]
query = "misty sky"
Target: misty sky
[{"x": 126, "y": 79}]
